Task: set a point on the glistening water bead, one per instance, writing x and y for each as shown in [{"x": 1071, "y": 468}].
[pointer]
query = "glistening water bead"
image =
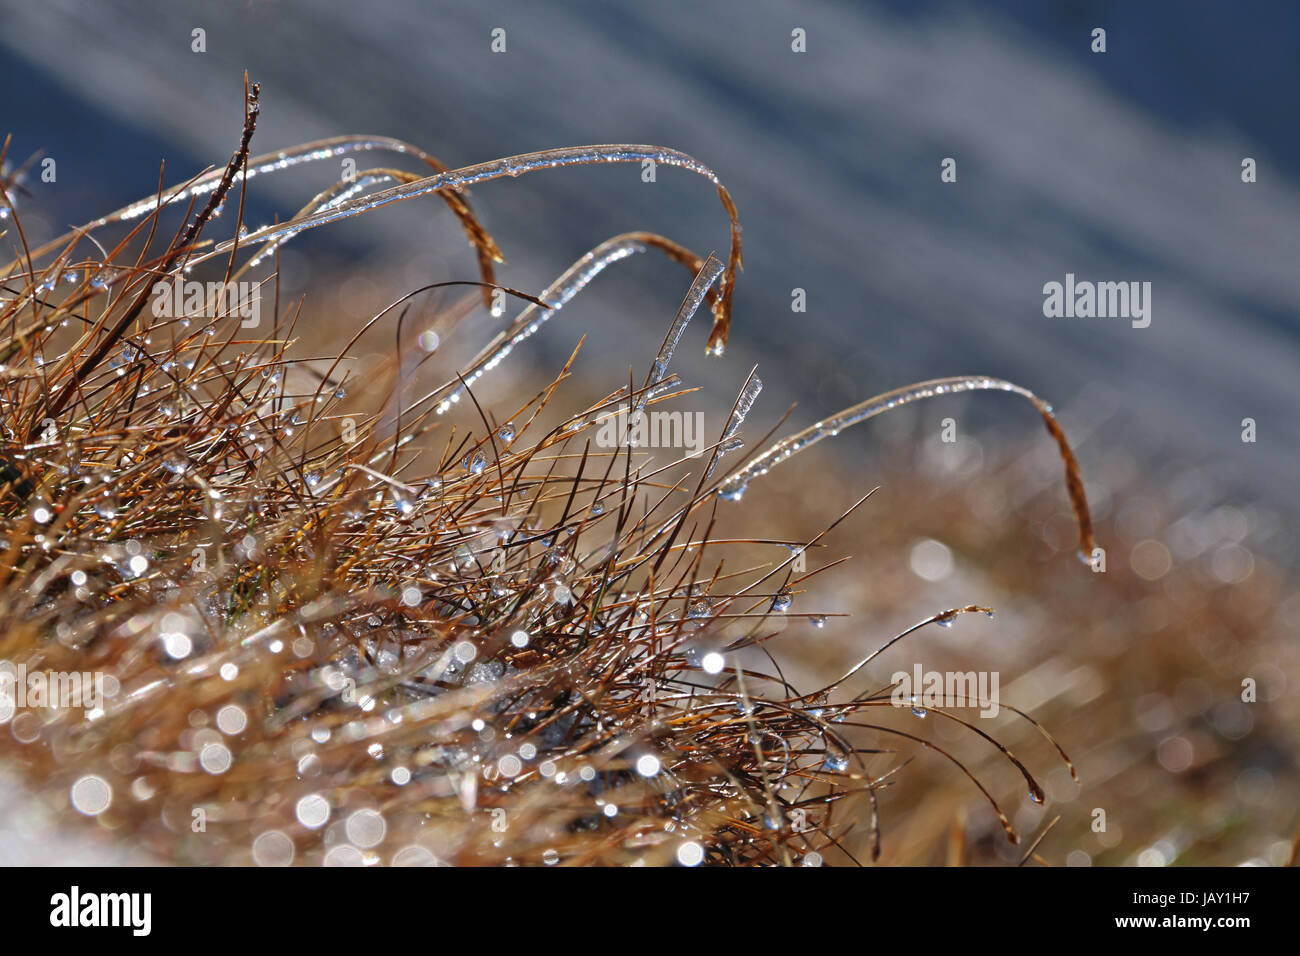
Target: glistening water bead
[{"x": 836, "y": 762}]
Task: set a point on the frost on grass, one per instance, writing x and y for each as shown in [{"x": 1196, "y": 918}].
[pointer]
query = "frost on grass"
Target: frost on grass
[{"x": 451, "y": 634}]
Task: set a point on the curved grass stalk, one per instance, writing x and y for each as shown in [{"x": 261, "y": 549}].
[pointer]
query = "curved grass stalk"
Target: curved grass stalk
[
  {"x": 700, "y": 286},
  {"x": 206, "y": 182},
  {"x": 556, "y": 295},
  {"x": 485, "y": 246},
  {"x": 733, "y": 487},
  {"x": 514, "y": 166},
  {"x": 339, "y": 193}
]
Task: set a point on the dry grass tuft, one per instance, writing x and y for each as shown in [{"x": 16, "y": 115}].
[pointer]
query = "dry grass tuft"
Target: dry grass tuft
[{"x": 422, "y": 633}]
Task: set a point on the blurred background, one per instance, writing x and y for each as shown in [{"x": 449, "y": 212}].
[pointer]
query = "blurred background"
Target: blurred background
[{"x": 1123, "y": 166}]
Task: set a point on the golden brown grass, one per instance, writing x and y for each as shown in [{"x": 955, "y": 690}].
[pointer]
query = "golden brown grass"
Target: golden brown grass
[{"x": 461, "y": 634}]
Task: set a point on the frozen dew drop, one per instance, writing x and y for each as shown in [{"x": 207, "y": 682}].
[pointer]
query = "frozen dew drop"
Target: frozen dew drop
[
  {"x": 510, "y": 765},
  {"x": 231, "y": 719},
  {"x": 272, "y": 848},
  {"x": 91, "y": 795},
  {"x": 732, "y": 492},
  {"x": 344, "y": 855},
  {"x": 312, "y": 811},
  {"x": 366, "y": 828},
  {"x": 177, "y": 644},
  {"x": 401, "y": 502},
  {"x": 177, "y": 464},
  {"x": 690, "y": 854},
  {"x": 415, "y": 855},
  {"x": 931, "y": 560},
  {"x": 215, "y": 758}
]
